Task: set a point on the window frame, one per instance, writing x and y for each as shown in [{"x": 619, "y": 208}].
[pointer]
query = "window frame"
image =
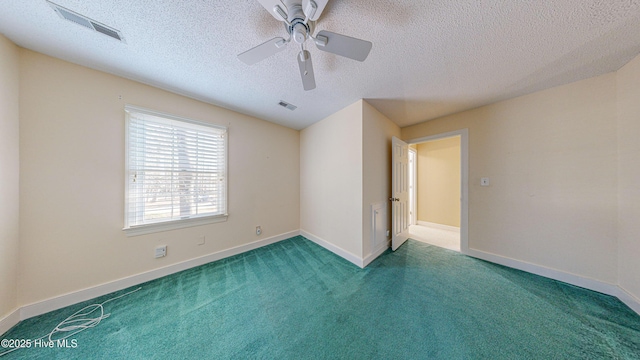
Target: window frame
[{"x": 134, "y": 230}]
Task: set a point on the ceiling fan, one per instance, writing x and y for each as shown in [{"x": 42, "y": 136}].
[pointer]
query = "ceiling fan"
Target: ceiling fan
[{"x": 299, "y": 17}]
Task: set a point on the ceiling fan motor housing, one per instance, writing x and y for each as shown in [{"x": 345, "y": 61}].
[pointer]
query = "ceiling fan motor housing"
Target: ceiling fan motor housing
[{"x": 298, "y": 30}]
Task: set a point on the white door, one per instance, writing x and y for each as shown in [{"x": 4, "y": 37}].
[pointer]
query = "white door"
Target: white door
[{"x": 399, "y": 193}]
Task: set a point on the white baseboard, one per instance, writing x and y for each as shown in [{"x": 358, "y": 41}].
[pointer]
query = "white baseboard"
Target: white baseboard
[
  {"x": 44, "y": 306},
  {"x": 334, "y": 249},
  {"x": 438, "y": 226},
  {"x": 577, "y": 280},
  {"x": 630, "y": 300},
  {"x": 9, "y": 321},
  {"x": 374, "y": 255},
  {"x": 41, "y": 307}
]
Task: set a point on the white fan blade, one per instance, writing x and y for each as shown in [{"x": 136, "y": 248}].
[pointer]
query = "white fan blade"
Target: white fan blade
[
  {"x": 270, "y": 5},
  {"x": 307, "y": 5},
  {"x": 306, "y": 70},
  {"x": 263, "y": 51},
  {"x": 343, "y": 45}
]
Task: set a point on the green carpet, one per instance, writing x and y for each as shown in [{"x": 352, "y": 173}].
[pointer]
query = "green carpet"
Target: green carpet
[{"x": 294, "y": 300}]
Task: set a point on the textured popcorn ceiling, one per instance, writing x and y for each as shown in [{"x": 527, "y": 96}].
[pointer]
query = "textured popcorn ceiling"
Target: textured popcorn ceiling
[{"x": 429, "y": 58}]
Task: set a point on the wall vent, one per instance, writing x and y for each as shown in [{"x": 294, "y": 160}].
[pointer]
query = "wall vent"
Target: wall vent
[
  {"x": 287, "y": 105},
  {"x": 86, "y": 22}
]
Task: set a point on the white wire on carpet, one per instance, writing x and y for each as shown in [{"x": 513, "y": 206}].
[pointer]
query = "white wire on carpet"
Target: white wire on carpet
[{"x": 78, "y": 322}]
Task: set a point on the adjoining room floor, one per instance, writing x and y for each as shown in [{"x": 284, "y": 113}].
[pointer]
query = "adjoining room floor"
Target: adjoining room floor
[
  {"x": 294, "y": 299},
  {"x": 439, "y": 237}
]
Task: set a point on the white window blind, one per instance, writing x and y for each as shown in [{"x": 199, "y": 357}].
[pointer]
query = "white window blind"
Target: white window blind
[{"x": 176, "y": 169}]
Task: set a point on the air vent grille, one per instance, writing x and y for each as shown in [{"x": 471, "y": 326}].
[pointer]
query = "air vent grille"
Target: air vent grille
[
  {"x": 105, "y": 30},
  {"x": 86, "y": 22},
  {"x": 75, "y": 18},
  {"x": 287, "y": 105}
]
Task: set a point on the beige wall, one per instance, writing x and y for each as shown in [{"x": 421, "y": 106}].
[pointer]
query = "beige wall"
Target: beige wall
[
  {"x": 72, "y": 179},
  {"x": 345, "y": 167},
  {"x": 628, "y": 81},
  {"x": 551, "y": 158},
  {"x": 377, "y": 133},
  {"x": 438, "y": 180},
  {"x": 9, "y": 175},
  {"x": 331, "y": 179}
]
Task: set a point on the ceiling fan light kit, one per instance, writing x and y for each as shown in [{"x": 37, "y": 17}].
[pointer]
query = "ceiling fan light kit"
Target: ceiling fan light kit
[{"x": 299, "y": 20}]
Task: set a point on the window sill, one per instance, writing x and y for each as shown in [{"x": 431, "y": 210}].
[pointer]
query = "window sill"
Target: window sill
[{"x": 172, "y": 225}]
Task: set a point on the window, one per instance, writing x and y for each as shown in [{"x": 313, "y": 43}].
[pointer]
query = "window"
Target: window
[{"x": 176, "y": 172}]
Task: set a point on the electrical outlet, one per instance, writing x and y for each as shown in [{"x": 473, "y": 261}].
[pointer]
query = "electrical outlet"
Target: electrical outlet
[
  {"x": 161, "y": 251},
  {"x": 258, "y": 230}
]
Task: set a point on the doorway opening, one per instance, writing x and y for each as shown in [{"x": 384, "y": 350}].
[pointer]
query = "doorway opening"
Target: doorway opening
[
  {"x": 437, "y": 190},
  {"x": 413, "y": 158}
]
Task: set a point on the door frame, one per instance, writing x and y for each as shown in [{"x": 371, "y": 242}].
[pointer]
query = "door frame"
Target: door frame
[{"x": 464, "y": 180}]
